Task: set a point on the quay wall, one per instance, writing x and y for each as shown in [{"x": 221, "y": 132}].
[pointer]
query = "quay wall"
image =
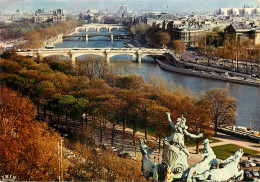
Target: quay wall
[{"x": 205, "y": 75}]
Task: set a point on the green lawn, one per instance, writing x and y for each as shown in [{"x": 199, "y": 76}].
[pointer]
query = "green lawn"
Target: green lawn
[
  {"x": 224, "y": 151},
  {"x": 190, "y": 142}
]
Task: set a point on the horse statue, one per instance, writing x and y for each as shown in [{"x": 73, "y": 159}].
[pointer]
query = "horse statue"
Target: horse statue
[
  {"x": 205, "y": 164},
  {"x": 226, "y": 173},
  {"x": 147, "y": 164}
]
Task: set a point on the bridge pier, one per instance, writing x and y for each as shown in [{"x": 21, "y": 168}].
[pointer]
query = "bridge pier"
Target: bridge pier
[
  {"x": 107, "y": 58},
  {"x": 138, "y": 58},
  {"x": 73, "y": 60},
  {"x": 86, "y": 37},
  {"x": 112, "y": 37}
]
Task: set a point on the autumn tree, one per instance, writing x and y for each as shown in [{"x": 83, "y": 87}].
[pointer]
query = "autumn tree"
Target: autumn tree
[
  {"x": 221, "y": 108},
  {"x": 198, "y": 121},
  {"x": 163, "y": 38},
  {"x": 140, "y": 28},
  {"x": 157, "y": 116},
  {"x": 66, "y": 104},
  {"x": 179, "y": 47},
  {"x": 28, "y": 148}
]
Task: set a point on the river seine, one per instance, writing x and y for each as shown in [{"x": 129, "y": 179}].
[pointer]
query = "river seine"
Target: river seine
[{"x": 248, "y": 97}]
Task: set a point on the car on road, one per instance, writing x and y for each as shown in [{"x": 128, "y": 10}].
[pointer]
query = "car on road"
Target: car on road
[
  {"x": 255, "y": 173},
  {"x": 247, "y": 173},
  {"x": 245, "y": 164},
  {"x": 251, "y": 163}
]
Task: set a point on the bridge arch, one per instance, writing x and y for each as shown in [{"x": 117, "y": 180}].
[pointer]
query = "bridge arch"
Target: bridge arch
[
  {"x": 80, "y": 29},
  {"x": 76, "y": 55},
  {"x": 110, "y": 55},
  {"x": 91, "y": 28},
  {"x": 88, "y": 55},
  {"x": 115, "y": 28},
  {"x": 103, "y": 28},
  {"x": 59, "y": 57}
]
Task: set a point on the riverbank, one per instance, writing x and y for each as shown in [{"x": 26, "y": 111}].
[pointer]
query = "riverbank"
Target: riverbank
[{"x": 164, "y": 64}]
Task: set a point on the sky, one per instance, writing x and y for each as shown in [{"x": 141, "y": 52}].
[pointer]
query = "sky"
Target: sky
[{"x": 135, "y": 5}]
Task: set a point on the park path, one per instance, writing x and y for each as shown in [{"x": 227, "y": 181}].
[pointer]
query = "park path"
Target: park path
[{"x": 128, "y": 145}]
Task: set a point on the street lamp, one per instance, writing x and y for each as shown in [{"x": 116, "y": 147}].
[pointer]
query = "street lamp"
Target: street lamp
[{"x": 83, "y": 119}]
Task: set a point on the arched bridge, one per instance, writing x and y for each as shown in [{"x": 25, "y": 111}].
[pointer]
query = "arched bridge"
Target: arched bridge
[
  {"x": 97, "y": 27},
  {"x": 107, "y": 53},
  {"x": 87, "y": 36}
]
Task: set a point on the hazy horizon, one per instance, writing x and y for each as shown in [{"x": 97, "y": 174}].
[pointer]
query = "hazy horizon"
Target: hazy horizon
[{"x": 135, "y": 5}]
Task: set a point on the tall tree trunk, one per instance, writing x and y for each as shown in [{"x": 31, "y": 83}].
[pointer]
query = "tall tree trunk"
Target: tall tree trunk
[
  {"x": 145, "y": 130},
  {"x": 216, "y": 130},
  {"x": 124, "y": 127},
  {"x": 197, "y": 147},
  {"x": 44, "y": 111},
  {"x": 50, "y": 114},
  {"x": 58, "y": 118},
  {"x": 159, "y": 142},
  {"x": 133, "y": 121},
  {"x": 38, "y": 106},
  {"x": 101, "y": 131},
  {"x": 113, "y": 134},
  {"x": 66, "y": 119}
]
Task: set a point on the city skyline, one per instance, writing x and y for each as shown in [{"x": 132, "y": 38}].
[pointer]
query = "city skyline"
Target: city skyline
[{"x": 136, "y": 5}]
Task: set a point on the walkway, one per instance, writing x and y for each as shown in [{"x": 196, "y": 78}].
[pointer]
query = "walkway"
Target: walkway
[{"x": 134, "y": 151}]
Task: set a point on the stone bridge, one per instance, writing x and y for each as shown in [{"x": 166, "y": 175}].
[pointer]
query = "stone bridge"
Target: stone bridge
[
  {"x": 87, "y": 36},
  {"x": 97, "y": 27},
  {"x": 107, "y": 53}
]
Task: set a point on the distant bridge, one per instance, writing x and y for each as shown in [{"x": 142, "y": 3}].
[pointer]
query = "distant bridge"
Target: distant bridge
[
  {"x": 107, "y": 53},
  {"x": 97, "y": 27},
  {"x": 87, "y": 36}
]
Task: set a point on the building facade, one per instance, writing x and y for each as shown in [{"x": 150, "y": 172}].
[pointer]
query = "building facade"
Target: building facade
[
  {"x": 51, "y": 16},
  {"x": 238, "y": 11}
]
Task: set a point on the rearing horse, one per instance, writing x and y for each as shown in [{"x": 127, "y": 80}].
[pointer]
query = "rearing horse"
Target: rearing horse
[
  {"x": 147, "y": 164},
  {"x": 226, "y": 173},
  {"x": 205, "y": 164}
]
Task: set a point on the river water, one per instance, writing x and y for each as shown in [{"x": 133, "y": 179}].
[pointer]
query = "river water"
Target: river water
[{"x": 248, "y": 97}]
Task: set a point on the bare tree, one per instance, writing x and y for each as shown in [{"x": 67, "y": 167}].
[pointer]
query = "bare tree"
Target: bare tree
[{"x": 220, "y": 107}]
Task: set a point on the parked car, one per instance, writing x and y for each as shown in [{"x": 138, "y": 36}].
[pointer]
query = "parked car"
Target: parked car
[
  {"x": 245, "y": 164},
  {"x": 247, "y": 173},
  {"x": 114, "y": 149},
  {"x": 251, "y": 163},
  {"x": 255, "y": 173},
  {"x": 257, "y": 164}
]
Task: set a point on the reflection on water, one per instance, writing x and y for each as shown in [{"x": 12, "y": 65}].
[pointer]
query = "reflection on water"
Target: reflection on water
[{"x": 248, "y": 97}]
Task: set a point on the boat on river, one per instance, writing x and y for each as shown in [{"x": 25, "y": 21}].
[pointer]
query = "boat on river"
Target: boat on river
[{"x": 241, "y": 132}]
